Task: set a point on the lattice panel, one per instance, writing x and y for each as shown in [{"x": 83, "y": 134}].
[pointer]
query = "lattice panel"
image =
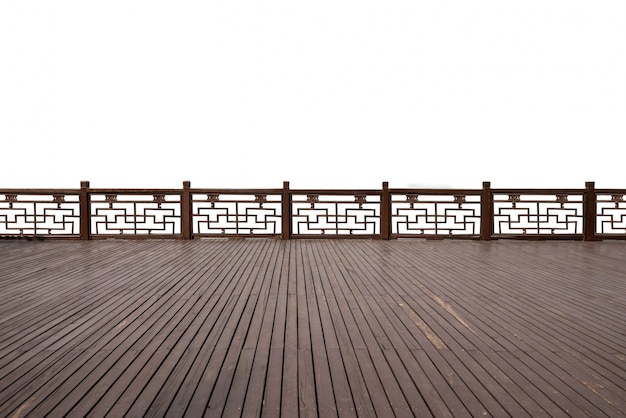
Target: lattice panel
[
  {"x": 517, "y": 214},
  {"x": 316, "y": 214},
  {"x": 414, "y": 215},
  {"x": 124, "y": 214},
  {"x": 610, "y": 214},
  {"x": 217, "y": 214},
  {"x": 30, "y": 215}
]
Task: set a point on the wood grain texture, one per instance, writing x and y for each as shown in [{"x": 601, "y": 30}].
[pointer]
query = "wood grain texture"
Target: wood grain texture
[{"x": 312, "y": 328}]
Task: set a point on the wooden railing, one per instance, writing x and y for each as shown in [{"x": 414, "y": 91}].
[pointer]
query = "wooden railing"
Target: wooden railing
[{"x": 386, "y": 213}]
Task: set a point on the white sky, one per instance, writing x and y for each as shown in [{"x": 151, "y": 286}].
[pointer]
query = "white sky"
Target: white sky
[{"x": 323, "y": 93}]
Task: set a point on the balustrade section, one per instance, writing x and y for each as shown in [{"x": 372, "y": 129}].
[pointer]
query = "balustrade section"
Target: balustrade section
[
  {"x": 86, "y": 213},
  {"x": 229, "y": 214},
  {"x": 128, "y": 214},
  {"x": 416, "y": 214},
  {"x": 538, "y": 213},
  {"x": 611, "y": 214},
  {"x": 54, "y": 214},
  {"x": 335, "y": 213}
]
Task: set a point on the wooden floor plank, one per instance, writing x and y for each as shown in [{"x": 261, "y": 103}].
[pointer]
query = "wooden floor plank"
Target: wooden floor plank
[
  {"x": 344, "y": 402},
  {"x": 396, "y": 347},
  {"x": 185, "y": 289},
  {"x": 274, "y": 378},
  {"x": 349, "y": 340},
  {"x": 46, "y": 318},
  {"x": 235, "y": 397},
  {"x": 438, "y": 349},
  {"x": 322, "y": 381},
  {"x": 61, "y": 357},
  {"x": 526, "y": 314},
  {"x": 547, "y": 336},
  {"x": 250, "y": 401},
  {"x": 222, "y": 362},
  {"x": 312, "y": 328},
  {"x": 114, "y": 385},
  {"x": 377, "y": 340}
]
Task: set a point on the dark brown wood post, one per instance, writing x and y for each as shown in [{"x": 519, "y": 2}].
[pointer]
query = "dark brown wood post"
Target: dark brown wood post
[
  {"x": 385, "y": 212},
  {"x": 286, "y": 210},
  {"x": 85, "y": 211},
  {"x": 589, "y": 212},
  {"x": 185, "y": 211},
  {"x": 486, "y": 212}
]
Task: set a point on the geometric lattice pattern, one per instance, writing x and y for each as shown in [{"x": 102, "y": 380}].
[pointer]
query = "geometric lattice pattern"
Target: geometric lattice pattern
[
  {"x": 33, "y": 215},
  {"x": 341, "y": 215},
  {"x": 134, "y": 214},
  {"x": 418, "y": 215},
  {"x": 554, "y": 214},
  {"x": 610, "y": 214},
  {"x": 216, "y": 214},
  {"x": 314, "y": 213}
]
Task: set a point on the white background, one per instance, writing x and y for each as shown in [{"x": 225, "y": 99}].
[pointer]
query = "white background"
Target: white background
[{"x": 327, "y": 94}]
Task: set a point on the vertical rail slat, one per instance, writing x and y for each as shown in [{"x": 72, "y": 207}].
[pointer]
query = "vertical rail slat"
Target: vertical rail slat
[
  {"x": 85, "y": 211},
  {"x": 385, "y": 212},
  {"x": 286, "y": 212},
  {"x": 186, "y": 211},
  {"x": 486, "y": 212}
]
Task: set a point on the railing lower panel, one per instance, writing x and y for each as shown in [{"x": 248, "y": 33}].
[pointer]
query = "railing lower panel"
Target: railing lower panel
[
  {"x": 53, "y": 215},
  {"x": 518, "y": 214},
  {"x": 423, "y": 215},
  {"x": 324, "y": 214},
  {"x": 115, "y": 215},
  {"x": 611, "y": 215},
  {"x": 246, "y": 215}
]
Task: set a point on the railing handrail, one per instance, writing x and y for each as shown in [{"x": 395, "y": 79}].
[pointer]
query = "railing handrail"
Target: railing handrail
[
  {"x": 35, "y": 192},
  {"x": 538, "y": 191}
]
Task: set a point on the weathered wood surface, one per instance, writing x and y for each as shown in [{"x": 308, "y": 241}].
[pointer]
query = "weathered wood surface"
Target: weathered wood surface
[{"x": 312, "y": 328}]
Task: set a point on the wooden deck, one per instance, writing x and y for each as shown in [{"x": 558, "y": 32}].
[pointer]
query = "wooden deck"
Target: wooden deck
[{"x": 312, "y": 328}]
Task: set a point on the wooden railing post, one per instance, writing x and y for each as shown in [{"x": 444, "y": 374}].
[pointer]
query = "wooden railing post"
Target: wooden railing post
[
  {"x": 589, "y": 211},
  {"x": 486, "y": 212},
  {"x": 286, "y": 211},
  {"x": 385, "y": 212},
  {"x": 186, "y": 211},
  {"x": 85, "y": 211}
]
